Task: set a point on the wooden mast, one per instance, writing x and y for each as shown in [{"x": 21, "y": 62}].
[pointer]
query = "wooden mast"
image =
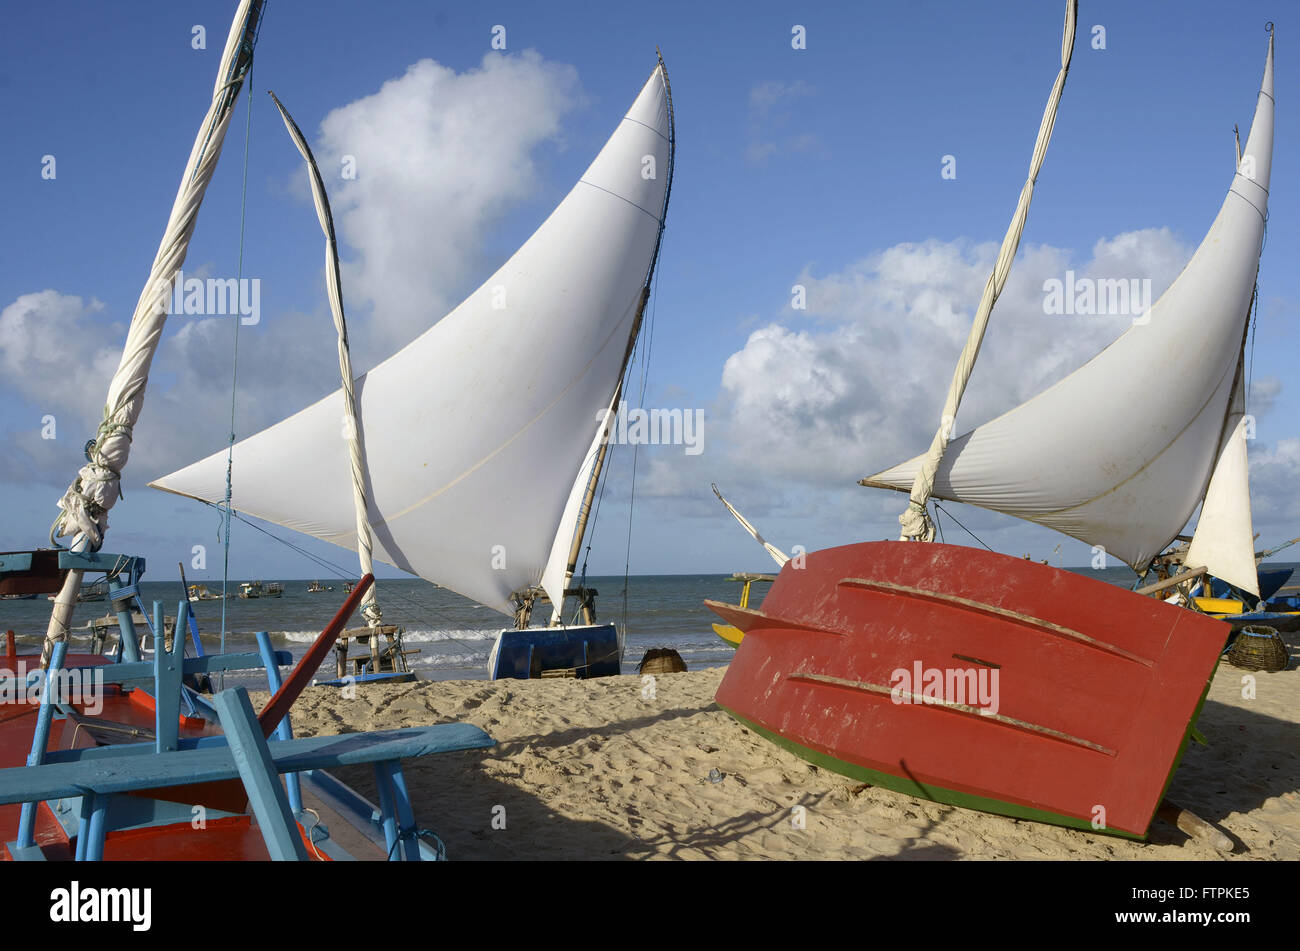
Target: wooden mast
[{"x": 584, "y": 510}]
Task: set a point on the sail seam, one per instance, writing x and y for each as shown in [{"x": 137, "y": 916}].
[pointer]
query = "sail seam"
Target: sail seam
[
  {"x": 652, "y": 215},
  {"x": 1262, "y": 216},
  {"x": 650, "y": 127}
]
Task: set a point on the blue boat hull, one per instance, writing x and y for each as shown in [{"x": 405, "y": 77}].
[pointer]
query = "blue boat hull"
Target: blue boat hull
[{"x": 588, "y": 651}]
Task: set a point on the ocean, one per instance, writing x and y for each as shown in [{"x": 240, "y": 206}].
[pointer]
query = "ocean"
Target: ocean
[{"x": 452, "y": 634}]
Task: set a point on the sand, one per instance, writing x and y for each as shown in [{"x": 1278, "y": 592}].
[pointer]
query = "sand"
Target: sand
[{"x": 597, "y": 770}]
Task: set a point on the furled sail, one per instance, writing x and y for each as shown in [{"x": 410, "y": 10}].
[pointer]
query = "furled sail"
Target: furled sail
[
  {"x": 86, "y": 504},
  {"x": 477, "y": 430},
  {"x": 334, "y": 288},
  {"x": 1091, "y": 456}
]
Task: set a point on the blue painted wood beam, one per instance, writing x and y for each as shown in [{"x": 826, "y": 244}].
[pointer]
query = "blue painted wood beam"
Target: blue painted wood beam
[{"x": 262, "y": 782}]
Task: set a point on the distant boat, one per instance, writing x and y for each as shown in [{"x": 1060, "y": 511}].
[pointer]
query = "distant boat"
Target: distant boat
[
  {"x": 273, "y": 589},
  {"x": 317, "y": 588},
  {"x": 734, "y": 635},
  {"x": 250, "y": 589},
  {"x": 18, "y": 597},
  {"x": 200, "y": 592}
]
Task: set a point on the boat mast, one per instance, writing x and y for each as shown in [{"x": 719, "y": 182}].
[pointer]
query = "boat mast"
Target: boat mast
[
  {"x": 915, "y": 521},
  {"x": 365, "y": 543},
  {"x": 584, "y": 510},
  {"x": 777, "y": 554},
  {"x": 97, "y": 488}
]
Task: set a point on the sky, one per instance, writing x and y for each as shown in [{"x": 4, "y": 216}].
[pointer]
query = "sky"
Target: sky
[{"x": 819, "y": 166}]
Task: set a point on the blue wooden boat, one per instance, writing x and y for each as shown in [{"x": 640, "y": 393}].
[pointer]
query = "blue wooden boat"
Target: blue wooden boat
[{"x": 145, "y": 765}]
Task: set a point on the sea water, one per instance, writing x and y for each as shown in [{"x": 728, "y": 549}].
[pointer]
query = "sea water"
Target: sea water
[{"x": 453, "y": 634}]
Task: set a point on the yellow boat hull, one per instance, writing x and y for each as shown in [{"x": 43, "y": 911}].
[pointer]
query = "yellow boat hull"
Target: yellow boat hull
[
  {"x": 1221, "y": 605},
  {"x": 732, "y": 635}
]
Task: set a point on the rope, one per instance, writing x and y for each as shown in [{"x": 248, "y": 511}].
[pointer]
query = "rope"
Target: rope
[
  {"x": 1250, "y": 365},
  {"x": 959, "y": 524},
  {"x": 339, "y": 573},
  {"x": 648, "y": 338},
  {"x": 234, "y": 375}
]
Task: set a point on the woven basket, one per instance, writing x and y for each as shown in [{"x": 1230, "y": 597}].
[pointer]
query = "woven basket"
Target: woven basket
[
  {"x": 1259, "y": 648},
  {"x": 661, "y": 660}
]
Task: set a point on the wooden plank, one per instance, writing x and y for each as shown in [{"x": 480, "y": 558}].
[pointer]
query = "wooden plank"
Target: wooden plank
[
  {"x": 143, "y": 671},
  {"x": 983, "y": 607},
  {"x": 279, "y": 705},
  {"x": 284, "y": 729},
  {"x": 1188, "y": 575},
  {"x": 256, "y": 768},
  {"x": 167, "y": 683},
  {"x": 126, "y": 768},
  {"x": 40, "y": 739}
]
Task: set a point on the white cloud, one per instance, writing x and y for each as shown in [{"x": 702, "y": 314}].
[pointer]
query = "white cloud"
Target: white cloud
[
  {"x": 856, "y": 384},
  {"x": 1275, "y": 503},
  {"x": 1263, "y": 395},
  {"x": 440, "y": 158},
  {"x": 54, "y": 352}
]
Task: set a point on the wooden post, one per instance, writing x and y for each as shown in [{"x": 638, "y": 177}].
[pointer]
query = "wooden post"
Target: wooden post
[{"x": 1189, "y": 575}]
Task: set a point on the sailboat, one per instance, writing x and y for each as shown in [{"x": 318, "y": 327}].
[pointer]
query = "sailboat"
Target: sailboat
[
  {"x": 977, "y": 679},
  {"x": 486, "y": 436}
]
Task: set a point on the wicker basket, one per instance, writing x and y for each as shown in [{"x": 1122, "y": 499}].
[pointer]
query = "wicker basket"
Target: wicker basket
[
  {"x": 661, "y": 660},
  {"x": 1259, "y": 648}
]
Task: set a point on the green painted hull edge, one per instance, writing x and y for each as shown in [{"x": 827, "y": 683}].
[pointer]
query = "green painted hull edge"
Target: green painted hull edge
[{"x": 910, "y": 787}]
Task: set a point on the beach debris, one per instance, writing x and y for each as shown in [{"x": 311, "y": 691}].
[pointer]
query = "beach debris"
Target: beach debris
[
  {"x": 1194, "y": 826},
  {"x": 716, "y": 775}
]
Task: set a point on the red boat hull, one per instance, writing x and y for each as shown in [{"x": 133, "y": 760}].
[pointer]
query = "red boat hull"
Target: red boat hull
[
  {"x": 230, "y": 838},
  {"x": 972, "y": 678}
]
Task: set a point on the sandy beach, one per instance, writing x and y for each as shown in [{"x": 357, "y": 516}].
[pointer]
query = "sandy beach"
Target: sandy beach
[{"x": 600, "y": 769}]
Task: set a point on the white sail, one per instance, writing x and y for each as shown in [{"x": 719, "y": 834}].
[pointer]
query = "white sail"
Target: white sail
[
  {"x": 1224, "y": 541},
  {"x": 475, "y": 431},
  {"x": 1118, "y": 454}
]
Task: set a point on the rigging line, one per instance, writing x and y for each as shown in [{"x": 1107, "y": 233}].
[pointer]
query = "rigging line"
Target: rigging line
[
  {"x": 234, "y": 369},
  {"x": 595, "y": 518},
  {"x": 344, "y": 574},
  {"x": 645, "y": 374},
  {"x": 939, "y": 525},
  {"x": 1250, "y": 363},
  {"x": 959, "y": 524}
]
